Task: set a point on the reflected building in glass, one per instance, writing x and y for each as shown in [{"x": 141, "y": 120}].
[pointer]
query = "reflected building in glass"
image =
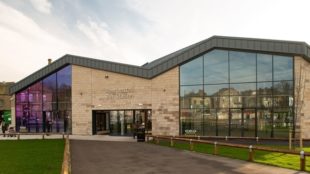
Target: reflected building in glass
[
  {"x": 221, "y": 86},
  {"x": 241, "y": 94}
]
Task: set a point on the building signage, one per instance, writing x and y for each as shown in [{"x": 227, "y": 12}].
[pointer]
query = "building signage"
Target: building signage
[{"x": 117, "y": 94}]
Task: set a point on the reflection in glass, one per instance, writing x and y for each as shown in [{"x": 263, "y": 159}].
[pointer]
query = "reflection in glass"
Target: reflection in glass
[
  {"x": 242, "y": 66},
  {"x": 283, "y": 68},
  {"x": 210, "y": 122},
  {"x": 264, "y": 88},
  {"x": 191, "y": 72},
  {"x": 250, "y": 85},
  {"x": 216, "y": 90},
  {"x": 243, "y": 89},
  {"x": 216, "y": 67},
  {"x": 191, "y": 96},
  {"x": 264, "y": 123},
  {"x": 223, "y": 122},
  {"x": 283, "y": 88},
  {"x": 191, "y": 121},
  {"x": 283, "y": 121},
  {"x": 264, "y": 67},
  {"x": 242, "y": 122},
  {"x": 44, "y": 106}
]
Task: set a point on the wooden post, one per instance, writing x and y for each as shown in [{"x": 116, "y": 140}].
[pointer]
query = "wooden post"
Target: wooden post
[
  {"x": 290, "y": 140},
  {"x": 171, "y": 142},
  {"x": 302, "y": 160},
  {"x": 250, "y": 153},
  {"x": 147, "y": 138},
  {"x": 191, "y": 145},
  {"x": 215, "y": 152}
]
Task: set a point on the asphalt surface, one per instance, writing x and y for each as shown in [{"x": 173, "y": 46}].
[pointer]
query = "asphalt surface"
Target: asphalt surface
[{"x": 102, "y": 157}]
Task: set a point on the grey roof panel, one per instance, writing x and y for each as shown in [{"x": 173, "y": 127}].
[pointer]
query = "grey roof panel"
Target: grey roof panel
[{"x": 169, "y": 61}]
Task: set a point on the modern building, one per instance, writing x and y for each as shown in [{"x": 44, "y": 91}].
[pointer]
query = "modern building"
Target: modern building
[{"x": 221, "y": 86}]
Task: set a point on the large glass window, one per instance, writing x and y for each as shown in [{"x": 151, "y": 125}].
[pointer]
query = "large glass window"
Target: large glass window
[
  {"x": 242, "y": 66},
  {"x": 192, "y": 72},
  {"x": 243, "y": 94},
  {"x": 216, "y": 67},
  {"x": 46, "y": 105}
]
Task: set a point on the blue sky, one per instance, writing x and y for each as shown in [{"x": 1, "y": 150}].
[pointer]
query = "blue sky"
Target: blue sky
[{"x": 134, "y": 31}]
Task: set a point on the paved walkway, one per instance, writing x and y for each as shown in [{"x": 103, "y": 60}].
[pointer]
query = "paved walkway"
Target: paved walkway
[{"x": 105, "y": 157}]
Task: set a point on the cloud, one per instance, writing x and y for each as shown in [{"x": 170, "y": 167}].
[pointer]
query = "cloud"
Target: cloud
[
  {"x": 43, "y": 6},
  {"x": 25, "y": 46}
]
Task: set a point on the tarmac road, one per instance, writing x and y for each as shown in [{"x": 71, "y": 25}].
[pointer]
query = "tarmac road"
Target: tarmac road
[{"x": 103, "y": 157}]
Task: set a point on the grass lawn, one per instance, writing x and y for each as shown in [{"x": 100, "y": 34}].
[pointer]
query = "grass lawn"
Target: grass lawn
[
  {"x": 31, "y": 156},
  {"x": 270, "y": 158}
]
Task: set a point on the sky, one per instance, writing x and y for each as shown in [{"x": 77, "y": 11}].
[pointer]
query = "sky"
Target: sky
[{"x": 134, "y": 31}]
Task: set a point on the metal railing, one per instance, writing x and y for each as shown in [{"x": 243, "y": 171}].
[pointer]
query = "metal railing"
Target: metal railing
[{"x": 191, "y": 141}]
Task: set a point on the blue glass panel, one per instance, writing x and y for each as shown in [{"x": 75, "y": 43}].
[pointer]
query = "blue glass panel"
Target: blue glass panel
[
  {"x": 191, "y": 73},
  {"x": 242, "y": 66},
  {"x": 216, "y": 67}
]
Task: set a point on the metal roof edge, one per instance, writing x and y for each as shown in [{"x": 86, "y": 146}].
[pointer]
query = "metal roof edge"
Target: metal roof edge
[{"x": 172, "y": 60}]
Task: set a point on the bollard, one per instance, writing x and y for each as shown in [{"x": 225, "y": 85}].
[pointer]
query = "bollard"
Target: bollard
[
  {"x": 226, "y": 138},
  {"x": 302, "y": 160},
  {"x": 171, "y": 142},
  {"x": 157, "y": 140},
  {"x": 215, "y": 152},
  {"x": 198, "y": 137},
  {"x": 290, "y": 140},
  {"x": 147, "y": 138},
  {"x": 191, "y": 145},
  {"x": 250, "y": 153},
  {"x": 18, "y": 137},
  {"x": 256, "y": 139}
]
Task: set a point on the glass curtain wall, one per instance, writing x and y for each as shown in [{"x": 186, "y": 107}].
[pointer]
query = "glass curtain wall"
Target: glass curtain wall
[
  {"x": 232, "y": 93},
  {"x": 46, "y": 105}
]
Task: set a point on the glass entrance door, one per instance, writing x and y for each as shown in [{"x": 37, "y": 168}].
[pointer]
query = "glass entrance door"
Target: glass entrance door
[{"x": 121, "y": 122}]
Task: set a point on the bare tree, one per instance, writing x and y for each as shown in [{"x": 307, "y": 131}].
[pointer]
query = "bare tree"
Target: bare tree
[{"x": 299, "y": 100}]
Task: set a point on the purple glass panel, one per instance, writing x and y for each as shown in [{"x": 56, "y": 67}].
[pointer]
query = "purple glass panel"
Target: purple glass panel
[{"x": 46, "y": 105}]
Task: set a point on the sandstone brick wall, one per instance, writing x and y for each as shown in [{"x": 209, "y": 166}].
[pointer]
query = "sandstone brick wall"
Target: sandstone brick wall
[
  {"x": 101, "y": 90},
  {"x": 302, "y": 96}
]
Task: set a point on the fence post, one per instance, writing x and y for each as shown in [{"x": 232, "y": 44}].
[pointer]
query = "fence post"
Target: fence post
[
  {"x": 147, "y": 138},
  {"x": 290, "y": 139},
  {"x": 18, "y": 136},
  {"x": 302, "y": 160},
  {"x": 171, "y": 142},
  {"x": 63, "y": 135},
  {"x": 43, "y": 136},
  {"x": 226, "y": 138},
  {"x": 191, "y": 145},
  {"x": 215, "y": 152},
  {"x": 256, "y": 139},
  {"x": 250, "y": 153},
  {"x": 157, "y": 140}
]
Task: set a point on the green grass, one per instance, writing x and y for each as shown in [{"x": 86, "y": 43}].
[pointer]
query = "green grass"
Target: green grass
[
  {"x": 269, "y": 158},
  {"x": 31, "y": 156}
]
